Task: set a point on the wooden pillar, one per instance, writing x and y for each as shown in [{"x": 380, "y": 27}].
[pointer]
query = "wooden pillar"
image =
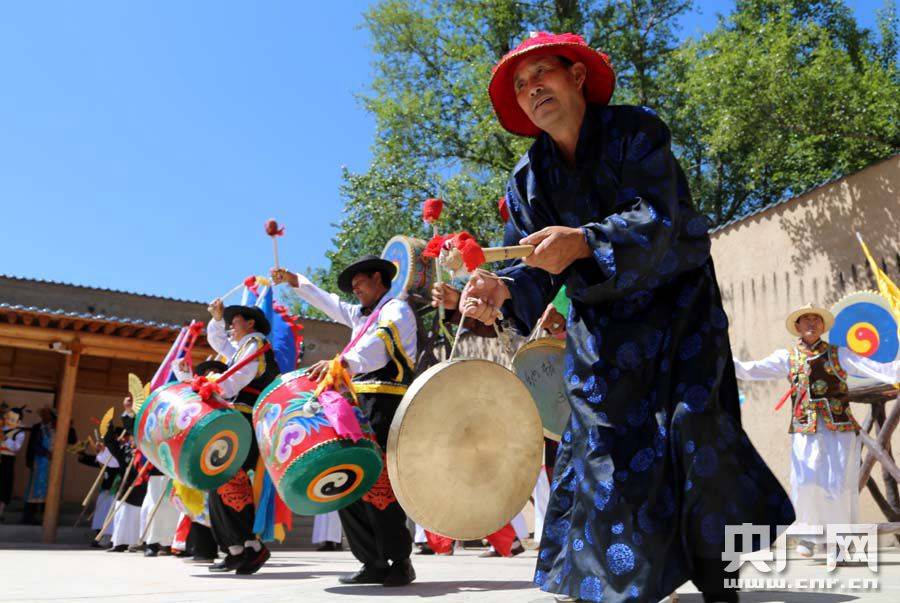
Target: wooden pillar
[{"x": 60, "y": 441}]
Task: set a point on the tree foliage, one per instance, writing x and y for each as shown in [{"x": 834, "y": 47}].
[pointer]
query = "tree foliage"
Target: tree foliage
[{"x": 779, "y": 96}]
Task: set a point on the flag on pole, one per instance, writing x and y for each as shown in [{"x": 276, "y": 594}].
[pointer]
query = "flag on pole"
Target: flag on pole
[{"x": 886, "y": 286}]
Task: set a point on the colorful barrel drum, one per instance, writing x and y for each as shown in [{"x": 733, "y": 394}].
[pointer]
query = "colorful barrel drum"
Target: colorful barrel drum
[
  {"x": 201, "y": 444},
  {"x": 314, "y": 469},
  {"x": 415, "y": 273},
  {"x": 540, "y": 364}
]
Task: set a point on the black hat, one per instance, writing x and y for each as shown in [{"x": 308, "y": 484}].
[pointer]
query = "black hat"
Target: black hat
[
  {"x": 208, "y": 366},
  {"x": 367, "y": 263},
  {"x": 250, "y": 313}
]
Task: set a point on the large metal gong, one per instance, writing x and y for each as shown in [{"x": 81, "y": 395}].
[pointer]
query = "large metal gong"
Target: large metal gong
[{"x": 465, "y": 448}]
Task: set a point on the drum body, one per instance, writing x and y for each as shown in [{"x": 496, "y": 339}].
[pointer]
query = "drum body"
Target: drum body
[
  {"x": 201, "y": 444},
  {"x": 540, "y": 364},
  {"x": 314, "y": 469},
  {"x": 415, "y": 273},
  {"x": 465, "y": 448}
]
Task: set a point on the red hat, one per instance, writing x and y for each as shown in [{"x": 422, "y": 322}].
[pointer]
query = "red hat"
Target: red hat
[{"x": 598, "y": 84}]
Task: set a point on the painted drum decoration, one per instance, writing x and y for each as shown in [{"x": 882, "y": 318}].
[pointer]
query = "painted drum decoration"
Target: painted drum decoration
[
  {"x": 863, "y": 323},
  {"x": 201, "y": 444},
  {"x": 415, "y": 273},
  {"x": 540, "y": 365},
  {"x": 314, "y": 469}
]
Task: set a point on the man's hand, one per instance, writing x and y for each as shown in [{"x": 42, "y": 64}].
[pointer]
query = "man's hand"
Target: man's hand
[
  {"x": 556, "y": 247},
  {"x": 183, "y": 365},
  {"x": 445, "y": 295},
  {"x": 553, "y": 321},
  {"x": 281, "y": 275},
  {"x": 482, "y": 297},
  {"x": 317, "y": 371},
  {"x": 216, "y": 309}
]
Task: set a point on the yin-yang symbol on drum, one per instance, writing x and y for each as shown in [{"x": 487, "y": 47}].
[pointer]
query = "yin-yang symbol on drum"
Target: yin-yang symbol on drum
[
  {"x": 219, "y": 452},
  {"x": 334, "y": 483},
  {"x": 863, "y": 323}
]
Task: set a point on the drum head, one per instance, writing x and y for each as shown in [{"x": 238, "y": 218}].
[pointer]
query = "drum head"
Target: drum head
[
  {"x": 465, "y": 448},
  {"x": 331, "y": 476},
  {"x": 399, "y": 250},
  {"x": 215, "y": 449},
  {"x": 540, "y": 365}
]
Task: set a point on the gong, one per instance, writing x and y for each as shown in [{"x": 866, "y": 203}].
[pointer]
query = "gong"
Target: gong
[
  {"x": 465, "y": 448},
  {"x": 540, "y": 364}
]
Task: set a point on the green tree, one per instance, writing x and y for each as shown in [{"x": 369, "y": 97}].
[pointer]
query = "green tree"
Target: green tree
[
  {"x": 435, "y": 129},
  {"x": 781, "y": 96}
]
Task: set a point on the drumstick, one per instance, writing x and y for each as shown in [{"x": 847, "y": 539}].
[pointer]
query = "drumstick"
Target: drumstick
[
  {"x": 154, "y": 510},
  {"x": 438, "y": 279},
  {"x": 232, "y": 290},
  {"x": 453, "y": 259},
  {"x": 273, "y": 230}
]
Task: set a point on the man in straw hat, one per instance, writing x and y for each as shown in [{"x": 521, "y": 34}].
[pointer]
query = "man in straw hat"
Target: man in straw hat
[
  {"x": 824, "y": 445},
  {"x": 383, "y": 344},
  {"x": 654, "y": 462}
]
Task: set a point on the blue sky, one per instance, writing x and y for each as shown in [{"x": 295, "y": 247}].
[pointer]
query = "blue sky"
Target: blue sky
[{"x": 144, "y": 144}]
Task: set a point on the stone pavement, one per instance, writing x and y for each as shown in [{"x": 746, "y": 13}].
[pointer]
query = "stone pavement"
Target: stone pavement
[{"x": 65, "y": 574}]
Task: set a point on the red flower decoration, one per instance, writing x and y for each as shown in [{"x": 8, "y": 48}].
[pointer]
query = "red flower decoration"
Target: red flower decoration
[
  {"x": 432, "y": 210},
  {"x": 205, "y": 388},
  {"x": 504, "y": 211},
  {"x": 472, "y": 254},
  {"x": 433, "y": 247}
]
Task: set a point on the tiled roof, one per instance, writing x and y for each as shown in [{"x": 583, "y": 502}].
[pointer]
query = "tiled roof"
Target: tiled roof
[
  {"x": 86, "y": 316},
  {"x": 103, "y": 289}
]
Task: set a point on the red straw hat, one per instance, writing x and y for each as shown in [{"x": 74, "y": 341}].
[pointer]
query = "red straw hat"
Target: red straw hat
[{"x": 598, "y": 85}]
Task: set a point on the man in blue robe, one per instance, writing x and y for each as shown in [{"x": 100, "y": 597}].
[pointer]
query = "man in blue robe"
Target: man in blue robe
[{"x": 654, "y": 462}]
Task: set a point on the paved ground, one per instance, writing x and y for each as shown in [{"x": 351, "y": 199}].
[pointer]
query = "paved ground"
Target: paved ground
[{"x": 57, "y": 574}]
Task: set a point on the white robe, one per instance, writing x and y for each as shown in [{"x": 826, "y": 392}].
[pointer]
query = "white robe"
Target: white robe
[
  {"x": 541, "y": 497},
  {"x": 824, "y": 464},
  {"x": 127, "y": 525},
  {"x": 164, "y": 523},
  {"x": 327, "y": 528}
]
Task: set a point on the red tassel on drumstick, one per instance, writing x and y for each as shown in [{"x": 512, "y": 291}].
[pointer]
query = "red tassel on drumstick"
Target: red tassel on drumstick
[
  {"x": 461, "y": 254},
  {"x": 273, "y": 230}
]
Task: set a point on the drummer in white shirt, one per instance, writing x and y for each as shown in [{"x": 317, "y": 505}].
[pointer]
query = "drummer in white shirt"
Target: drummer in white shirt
[{"x": 381, "y": 362}]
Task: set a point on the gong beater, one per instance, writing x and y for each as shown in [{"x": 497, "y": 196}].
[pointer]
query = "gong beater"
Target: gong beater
[{"x": 464, "y": 449}]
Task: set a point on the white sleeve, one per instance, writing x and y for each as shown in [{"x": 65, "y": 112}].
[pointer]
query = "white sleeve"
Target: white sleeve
[
  {"x": 396, "y": 321},
  {"x": 14, "y": 444},
  {"x": 103, "y": 455},
  {"x": 886, "y": 372},
  {"x": 240, "y": 379},
  {"x": 329, "y": 303},
  {"x": 774, "y": 366},
  {"x": 218, "y": 339}
]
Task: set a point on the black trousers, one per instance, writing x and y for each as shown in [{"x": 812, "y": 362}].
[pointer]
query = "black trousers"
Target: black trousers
[
  {"x": 231, "y": 510},
  {"x": 200, "y": 541},
  {"x": 375, "y": 525},
  {"x": 7, "y": 476}
]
